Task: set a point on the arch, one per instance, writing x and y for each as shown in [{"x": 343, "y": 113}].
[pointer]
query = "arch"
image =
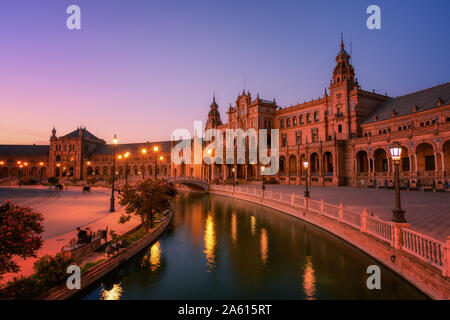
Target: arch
[
  {"x": 314, "y": 163},
  {"x": 97, "y": 171},
  {"x": 4, "y": 172},
  {"x": 328, "y": 163},
  {"x": 446, "y": 155},
  {"x": 404, "y": 162},
  {"x": 425, "y": 157},
  {"x": 89, "y": 171},
  {"x": 381, "y": 161},
  {"x": 251, "y": 173},
  {"x": 302, "y": 159},
  {"x": 135, "y": 170},
  {"x": 282, "y": 166},
  {"x": 105, "y": 171},
  {"x": 34, "y": 172},
  {"x": 43, "y": 172},
  {"x": 292, "y": 165},
  {"x": 58, "y": 158},
  {"x": 362, "y": 164}
]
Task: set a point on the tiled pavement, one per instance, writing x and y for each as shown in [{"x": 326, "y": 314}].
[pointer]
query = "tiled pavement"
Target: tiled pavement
[{"x": 427, "y": 212}]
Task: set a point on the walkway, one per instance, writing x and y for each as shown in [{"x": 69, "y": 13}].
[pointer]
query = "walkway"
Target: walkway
[
  {"x": 428, "y": 212},
  {"x": 63, "y": 212}
]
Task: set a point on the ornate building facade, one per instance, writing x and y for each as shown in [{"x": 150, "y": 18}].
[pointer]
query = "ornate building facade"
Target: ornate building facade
[{"x": 345, "y": 136}]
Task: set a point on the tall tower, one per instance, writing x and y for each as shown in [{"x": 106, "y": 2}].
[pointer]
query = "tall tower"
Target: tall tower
[
  {"x": 343, "y": 72},
  {"x": 213, "y": 115},
  {"x": 342, "y": 96}
]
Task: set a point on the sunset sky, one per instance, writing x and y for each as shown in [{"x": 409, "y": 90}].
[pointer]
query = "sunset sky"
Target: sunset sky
[{"x": 144, "y": 68}]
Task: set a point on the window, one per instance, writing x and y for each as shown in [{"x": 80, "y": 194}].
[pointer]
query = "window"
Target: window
[
  {"x": 283, "y": 141},
  {"x": 294, "y": 121},
  {"x": 298, "y": 138},
  {"x": 340, "y": 128},
  {"x": 302, "y": 119},
  {"x": 315, "y": 135},
  {"x": 288, "y": 122},
  {"x": 308, "y": 118},
  {"x": 281, "y": 123},
  {"x": 429, "y": 163},
  {"x": 405, "y": 164},
  {"x": 316, "y": 116}
]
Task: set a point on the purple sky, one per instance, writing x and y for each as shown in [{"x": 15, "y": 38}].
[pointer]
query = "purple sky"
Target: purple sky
[{"x": 143, "y": 68}]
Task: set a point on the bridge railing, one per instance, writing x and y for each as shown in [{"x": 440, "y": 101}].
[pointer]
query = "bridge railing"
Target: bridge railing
[{"x": 427, "y": 249}]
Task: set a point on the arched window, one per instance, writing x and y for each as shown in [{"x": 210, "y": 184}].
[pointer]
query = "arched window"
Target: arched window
[
  {"x": 281, "y": 123},
  {"x": 316, "y": 116},
  {"x": 302, "y": 121},
  {"x": 294, "y": 121},
  {"x": 308, "y": 118}
]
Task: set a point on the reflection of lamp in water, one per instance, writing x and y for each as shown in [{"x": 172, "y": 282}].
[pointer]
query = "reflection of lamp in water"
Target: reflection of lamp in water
[
  {"x": 264, "y": 245},
  {"x": 210, "y": 242},
  {"x": 233, "y": 227},
  {"x": 252, "y": 224},
  {"x": 113, "y": 294},
  {"x": 155, "y": 256},
  {"x": 309, "y": 280}
]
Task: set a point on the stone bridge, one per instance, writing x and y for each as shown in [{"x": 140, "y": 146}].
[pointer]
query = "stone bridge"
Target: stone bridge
[{"x": 195, "y": 184}]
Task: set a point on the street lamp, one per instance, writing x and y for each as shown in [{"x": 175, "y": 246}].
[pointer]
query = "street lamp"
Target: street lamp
[
  {"x": 234, "y": 176},
  {"x": 399, "y": 213},
  {"x": 111, "y": 203},
  {"x": 155, "y": 151},
  {"x": 263, "y": 180},
  {"x": 306, "y": 165},
  {"x": 41, "y": 164},
  {"x": 144, "y": 152},
  {"x": 126, "y": 168}
]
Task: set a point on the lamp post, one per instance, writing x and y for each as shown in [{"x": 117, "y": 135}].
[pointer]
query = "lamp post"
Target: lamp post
[
  {"x": 111, "y": 203},
  {"x": 155, "y": 151},
  {"x": 262, "y": 177},
  {"x": 398, "y": 212},
  {"x": 306, "y": 165},
  {"x": 234, "y": 176},
  {"x": 126, "y": 155},
  {"x": 144, "y": 152},
  {"x": 41, "y": 164}
]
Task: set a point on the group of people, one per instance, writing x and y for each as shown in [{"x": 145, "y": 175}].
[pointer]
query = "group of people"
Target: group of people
[{"x": 84, "y": 235}]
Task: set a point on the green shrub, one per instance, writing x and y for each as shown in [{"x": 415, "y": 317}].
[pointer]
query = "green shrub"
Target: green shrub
[
  {"x": 22, "y": 288},
  {"x": 52, "y": 270}
]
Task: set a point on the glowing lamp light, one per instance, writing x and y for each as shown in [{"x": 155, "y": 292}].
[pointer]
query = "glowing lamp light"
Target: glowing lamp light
[
  {"x": 119, "y": 156},
  {"x": 19, "y": 162},
  {"x": 89, "y": 163},
  {"x": 2, "y": 162},
  {"x": 305, "y": 164},
  {"x": 25, "y": 164},
  {"x": 21, "y": 166},
  {"x": 41, "y": 164},
  {"x": 155, "y": 148},
  {"x": 161, "y": 158},
  {"x": 209, "y": 151},
  {"x": 396, "y": 152},
  {"x": 115, "y": 140},
  {"x": 144, "y": 151},
  {"x": 126, "y": 155}
]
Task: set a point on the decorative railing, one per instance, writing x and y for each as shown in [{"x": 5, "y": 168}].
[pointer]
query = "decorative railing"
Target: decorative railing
[
  {"x": 423, "y": 247},
  {"x": 398, "y": 236}
]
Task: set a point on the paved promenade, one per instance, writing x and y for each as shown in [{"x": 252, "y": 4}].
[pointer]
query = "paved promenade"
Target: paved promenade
[
  {"x": 63, "y": 212},
  {"x": 428, "y": 212}
]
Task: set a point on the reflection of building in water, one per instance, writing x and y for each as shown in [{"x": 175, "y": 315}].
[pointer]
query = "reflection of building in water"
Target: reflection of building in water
[
  {"x": 264, "y": 246},
  {"x": 155, "y": 256},
  {"x": 309, "y": 280},
  {"x": 233, "y": 227},
  {"x": 114, "y": 294},
  {"x": 210, "y": 242},
  {"x": 252, "y": 225}
]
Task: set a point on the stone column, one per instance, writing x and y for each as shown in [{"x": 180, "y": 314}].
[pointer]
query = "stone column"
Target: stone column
[
  {"x": 397, "y": 234},
  {"x": 446, "y": 258},
  {"x": 364, "y": 216}
]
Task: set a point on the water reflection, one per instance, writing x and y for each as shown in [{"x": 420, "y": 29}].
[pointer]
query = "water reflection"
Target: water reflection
[
  {"x": 114, "y": 294},
  {"x": 210, "y": 242},
  {"x": 233, "y": 227},
  {"x": 264, "y": 242},
  {"x": 252, "y": 225},
  {"x": 219, "y": 248},
  {"x": 309, "y": 280}
]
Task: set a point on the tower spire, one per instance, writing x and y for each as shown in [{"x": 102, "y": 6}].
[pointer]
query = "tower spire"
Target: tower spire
[{"x": 342, "y": 41}]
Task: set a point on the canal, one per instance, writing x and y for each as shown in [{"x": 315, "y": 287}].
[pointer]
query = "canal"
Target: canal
[{"x": 220, "y": 248}]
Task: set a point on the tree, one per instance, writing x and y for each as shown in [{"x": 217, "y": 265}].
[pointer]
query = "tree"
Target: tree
[
  {"x": 146, "y": 199},
  {"x": 20, "y": 229}
]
